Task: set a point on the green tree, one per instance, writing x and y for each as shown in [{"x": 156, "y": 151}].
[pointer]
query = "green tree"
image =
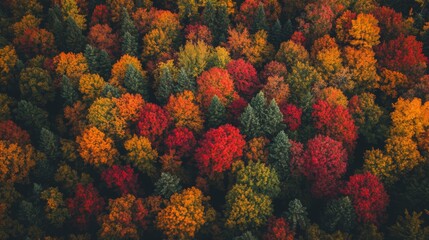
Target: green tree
[
  {"x": 129, "y": 34},
  {"x": 297, "y": 214},
  {"x": 339, "y": 214},
  {"x": 129, "y": 44},
  {"x": 279, "y": 155},
  {"x": 167, "y": 185},
  {"x": 216, "y": 114},
  {"x": 68, "y": 92},
  {"x": 250, "y": 125},
  {"x": 135, "y": 82},
  {"x": 98, "y": 61},
  {"x": 74, "y": 39},
  {"x": 49, "y": 144},
  {"x": 31, "y": 117},
  {"x": 184, "y": 82},
  {"x": 409, "y": 227},
  {"x": 217, "y": 20},
  {"x": 260, "y": 21},
  {"x": 56, "y": 26},
  {"x": 272, "y": 121},
  {"x": 165, "y": 85},
  {"x": 276, "y": 34},
  {"x": 260, "y": 178},
  {"x": 35, "y": 85}
]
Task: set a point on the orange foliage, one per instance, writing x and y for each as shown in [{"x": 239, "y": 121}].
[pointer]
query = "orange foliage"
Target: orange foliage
[
  {"x": 276, "y": 88},
  {"x": 102, "y": 37},
  {"x": 91, "y": 86},
  {"x": 96, "y": 148},
  {"x": 392, "y": 82},
  {"x": 15, "y": 161},
  {"x": 129, "y": 106},
  {"x": 120, "y": 68},
  {"x": 28, "y": 21},
  {"x": 76, "y": 117},
  {"x": 185, "y": 112},
  {"x": 73, "y": 65},
  {"x": 365, "y": 31},
  {"x": 116, "y": 6},
  {"x": 256, "y": 149}
]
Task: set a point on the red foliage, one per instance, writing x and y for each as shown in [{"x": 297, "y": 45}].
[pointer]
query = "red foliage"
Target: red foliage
[
  {"x": 100, "y": 15},
  {"x": 335, "y": 122},
  {"x": 368, "y": 196},
  {"x": 323, "y": 162},
  {"x": 404, "y": 54},
  {"x": 272, "y": 69},
  {"x": 121, "y": 177},
  {"x": 219, "y": 148},
  {"x": 35, "y": 41},
  {"x": 389, "y": 21},
  {"x": 198, "y": 32},
  {"x": 278, "y": 229},
  {"x": 181, "y": 140},
  {"x": 101, "y": 37},
  {"x": 236, "y": 108},
  {"x": 11, "y": 132},
  {"x": 299, "y": 38},
  {"x": 245, "y": 77},
  {"x": 153, "y": 121},
  {"x": 85, "y": 206},
  {"x": 291, "y": 116}
]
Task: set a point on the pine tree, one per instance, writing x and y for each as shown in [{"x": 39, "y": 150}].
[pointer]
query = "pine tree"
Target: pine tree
[
  {"x": 279, "y": 155},
  {"x": 75, "y": 40},
  {"x": 91, "y": 56},
  {"x": 209, "y": 17},
  {"x": 104, "y": 64},
  {"x": 127, "y": 24},
  {"x": 216, "y": 114},
  {"x": 271, "y": 122},
  {"x": 68, "y": 92},
  {"x": 184, "y": 82},
  {"x": 409, "y": 227},
  {"x": 167, "y": 185},
  {"x": 223, "y": 23},
  {"x": 297, "y": 214},
  {"x": 135, "y": 82},
  {"x": 110, "y": 91},
  {"x": 129, "y": 44},
  {"x": 31, "y": 117},
  {"x": 276, "y": 35},
  {"x": 288, "y": 29},
  {"x": 49, "y": 144},
  {"x": 339, "y": 215},
  {"x": 129, "y": 34},
  {"x": 57, "y": 26},
  {"x": 249, "y": 122},
  {"x": 260, "y": 21},
  {"x": 165, "y": 86}
]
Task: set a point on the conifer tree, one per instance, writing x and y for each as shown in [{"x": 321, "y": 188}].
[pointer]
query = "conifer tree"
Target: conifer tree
[
  {"x": 223, "y": 23},
  {"x": 340, "y": 215},
  {"x": 288, "y": 29},
  {"x": 104, "y": 64},
  {"x": 129, "y": 34},
  {"x": 31, "y": 117},
  {"x": 217, "y": 20},
  {"x": 110, "y": 91},
  {"x": 216, "y": 114},
  {"x": 57, "y": 26},
  {"x": 409, "y": 227},
  {"x": 276, "y": 35},
  {"x": 250, "y": 125},
  {"x": 135, "y": 82},
  {"x": 260, "y": 21},
  {"x": 184, "y": 82},
  {"x": 167, "y": 185},
  {"x": 98, "y": 61},
  {"x": 75, "y": 40},
  {"x": 49, "y": 144},
  {"x": 129, "y": 44},
  {"x": 272, "y": 121},
  {"x": 297, "y": 214},
  {"x": 68, "y": 92},
  {"x": 279, "y": 155},
  {"x": 165, "y": 86}
]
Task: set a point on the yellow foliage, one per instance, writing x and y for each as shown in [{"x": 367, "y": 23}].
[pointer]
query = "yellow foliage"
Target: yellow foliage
[
  {"x": 96, "y": 148},
  {"x": 184, "y": 216},
  {"x": 155, "y": 43},
  {"x": 290, "y": 52},
  {"x": 362, "y": 64},
  {"x": 8, "y": 60},
  {"x": 28, "y": 21},
  {"x": 119, "y": 69},
  {"x": 193, "y": 57},
  {"x": 55, "y": 209},
  {"x": 329, "y": 61},
  {"x": 404, "y": 153},
  {"x": 334, "y": 96},
  {"x": 365, "y": 31},
  {"x": 260, "y": 49},
  {"x": 5, "y": 104},
  {"x": 69, "y": 8},
  {"x": 91, "y": 86},
  {"x": 15, "y": 161},
  {"x": 185, "y": 111},
  {"x": 141, "y": 154},
  {"x": 409, "y": 119},
  {"x": 380, "y": 165},
  {"x": 392, "y": 82},
  {"x": 219, "y": 57},
  {"x": 115, "y": 7},
  {"x": 73, "y": 65},
  {"x": 104, "y": 114}
]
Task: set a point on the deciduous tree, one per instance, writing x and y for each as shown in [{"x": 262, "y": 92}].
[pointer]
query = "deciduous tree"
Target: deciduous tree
[{"x": 96, "y": 148}]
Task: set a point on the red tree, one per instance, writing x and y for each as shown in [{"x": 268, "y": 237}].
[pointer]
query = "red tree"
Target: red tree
[
  {"x": 323, "y": 162},
  {"x": 86, "y": 205},
  {"x": 403, "y": 54},
  {"x": 278, "y": 229},
  {"x": 245, "y": 77},
  {"x": 35, "y": 41},
  {"x": 236, "y": 108},
  {"x": 153, "y": 121},
  {"x": 101, "y": 37},
  {"x": 122, "y": 178},
  {"x": 100, "y": 15},
  {"x": 219, "y": 148},
  {"x": 196, "y": 32},
  {"x": 181, "y": 140},
  {"x": 389, "y": 21},
  {"x": 368, "y": 196},
  {"x": 335, "y": 122},
  {"x": 272, "y": 69},
  {"x": 9, "y": 131},
  {"x": 291, "y": 116}
]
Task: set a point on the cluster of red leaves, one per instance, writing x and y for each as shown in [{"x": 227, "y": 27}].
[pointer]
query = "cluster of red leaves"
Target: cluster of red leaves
[
  {"x": 278, "y": 229},
  {"x": 198, "y": 32},
  {"x": 153, "y": 121},
  {"x": 291, "y": 116},
  {"x": 219, "y": 148},
  {"x": 236, "y": 108},
  {"x": 323, "y": 162},
  {"x": 35, "y": 41},
  {"x": 11, "y": 132},
  {"x": 121, "y": 177},
  {"x": 245, "y": 77},
  {"x": 102, "y": 37},
  {"x": 100, "y": 15},
  {"x": 85, "y": 206},
  {"x": 272, "y": 69},
  {"x": 368, "y": 196},
  {"x": 181, "y": 140}
]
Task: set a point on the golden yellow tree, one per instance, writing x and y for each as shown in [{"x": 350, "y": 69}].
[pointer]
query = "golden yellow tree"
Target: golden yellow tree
[
  {"x": 91, "y": 86},
  {"x": 381, "y": 165},
  {"x": 185, "y": 111},
  {"x": 404, "y": 153},
  {"x": 15, "y": 161},
  {"x": 119, "y": 69},
  {"x": 104, "y": 114},
  {"x": 8, "y": 60},
  {"x": 96, "y": 148},
  {"x": 365, "y": 31},
  {"x": 116, "y": 6},
  {"x": 70, "y": 9},
  {"x": 141, "y": 154},
  {"x": 410, "y": 118},
  {"x": 73, "y": 65}
]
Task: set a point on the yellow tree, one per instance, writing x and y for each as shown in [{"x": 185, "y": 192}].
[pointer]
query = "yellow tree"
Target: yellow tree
[
  {"x": 193, "y": 57},
  {"x": 96, "y": 148},
  {"x": 404, "y": 153},
  {"x": 91, "y": 86},
  {"x": 116, "y": 6},
  {"x": 73, "y": 65},
  {"x": 119, "y": 69},
  {"x": 15, "y": 161},
  {"x": 8, "y": 60},
  {"x": 69, "y": 8},
  {"x": 184, "y": 215},
  {"x": 141, "y": 154},
  {"x": 365, "y": 31},
  {"x": 381, "y": 165},
  {"x": 104, "y": 114},
  {"x": 185, "y": 111},
  {"x": 410, "y": 118},
  {"x": 155, "y": 43}
]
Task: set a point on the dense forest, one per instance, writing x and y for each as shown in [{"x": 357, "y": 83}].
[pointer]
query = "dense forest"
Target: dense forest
[{"x": 214, "y": 119}]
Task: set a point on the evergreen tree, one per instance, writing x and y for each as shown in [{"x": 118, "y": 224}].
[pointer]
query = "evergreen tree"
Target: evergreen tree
[
  {"x": 279, "y": 155},
  {"x": 272, "y": 119},
  {"x": 91, "y": 55},
  {"x": 49, "y": 144},
  {"x": 184, "y": 82},
  {"x": 129, "y": 34},
  {"x": 129, "y": 44},
  {"x": 276, "y": 35},
  {"x": 297, "y": 214},
  {"x": 167, "y": 185},
  {"x": 110, "y": 91},
  {"x": 56, "y": 26},
  {"x": 339, "y": 215},
  {"x": 127, "y": 24},
  {"x": 68, "y": 92},
  {"x": 223, "y": 23},
  {"x": 209, "y": 17},
  {"x": 409, "y": 227},
  {"x": 29, "y": 214},
  {"x": 75, "y": 40},
  {"x": 216, "y": 113},
  {"x": 31, "y": 117},
  {"x": 135, "y": 82},
  {"x": 165, "y": 86},
  {"x": 288, "y": 29},
  {"x": 250, "y": 125},
  {"x": 104, "y": 64},
  {"x": 260, "y": 21}
]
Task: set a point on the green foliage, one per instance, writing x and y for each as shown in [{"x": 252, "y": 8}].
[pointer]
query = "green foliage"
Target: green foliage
[
  {"x": 165, "y": 85},
  {"x": 98, "y": 61},
  {"x": 278, "y": 158},
  {"x": 167, "y": 185},
  {"x": 217, "y": 20},
  {"x": 409, "y": 227},
  {"x": 135, "y": 82},
  {"x": 49, "y": 144},
  {"x": 129, "y": 34},
  {"x": 260, "y": 21},
  {"x": 339, "y": 214},
  {"x": 184, "y": 82},
  {"x": 68, "y": 91},
  {"x": 297, "y": 214},
  {"x": 276, "y": 34},
  {"x": 216, "y": 114},
  {"x": 31, "y": 117},
  {"x": 260, "y": 178},
  {"x": 74, "y": 39},
  {"x": 248, "y": 235}
]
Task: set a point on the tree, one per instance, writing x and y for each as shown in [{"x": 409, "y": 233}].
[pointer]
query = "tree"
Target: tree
[
  {"x": 317, "y": 19},
  {"x": 198, "y": 32},
  {"x": 246, "y": 209},
  {"x": 70, "y": 9},
  {"x": 75, "y": 41},
  {"x": 104, "y": 114},
  {"x": 153, "y": 121},
  {"x": 339, "y": 214},
  {"x": 120, "y": 68},
  {"x": 409, "y": 227},
  {"x": 380, "y": 165},
  {"x": 297, "y": 214},
  {"x": 8, "y": 60},
  {"x": 96, "y": 148},
  {"x": 72, "y": 65},
  {"x": 136, "y": 82},
  {"x": 245, "y": 77},
  {"x": 249, "y": 10},
  {"x": 35, "y": 84},
  {"x": 156, "y": 43},
  {"x": 323, "y": 162},
  {"x": 68, "y": 91},
  {"x": 291, "y": 53},
  {"x": 216, "y": 113},
  {"x": 125, "y": 218},
  {"x": 122, "y": 178},
  {"x": 98, "y": 61},
  {"x": 217, "y": 20},
  {"x": 193, "y": 57},
  {"x": 181, "y": 141},
  {"x": 389, "y": 21},
  {"x": 167, "y": 185},
  {"x": 260, "y": 21},
  {"x": 408, "y": 118},
  {"x": 164, "y": 81},
  {"x": 218, "y": 149},
  {"x": 49, "y": 144},
  {"x": 129, "y": 34},
  {"x": 260, "y": 178},
  {"x": 184, "y": 82},
  {"x": 404, "y": 154},
  {"x": 364, "y": 31},
  {"x": 141, "y": 154},
  {"x": 302, "y": 78},
  {"x": 256, "y": 149},
  {"x": 91, "y": 86},
  {"x": 368, "y": 196},
  {"x": 55, "y": 209},
  {"x": 183, "y": 216},
  {"x": 117, "y": 6},
  {"x": 16, "y": 161},
  {"x": 276, "y": 34},
  {"x": 31, "y": 117},
  {"x": 278, "y": 156},
  {"x": 11, "y": 132},
  {"x": 102, "y": 37},
  {"x": 291, "y": 116},
  {"x": 278, "y": 229},
  {"x": 128, "y": 106},
  {"x": 35, "y": 41},
  {"x": 215, "y": 81}
]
